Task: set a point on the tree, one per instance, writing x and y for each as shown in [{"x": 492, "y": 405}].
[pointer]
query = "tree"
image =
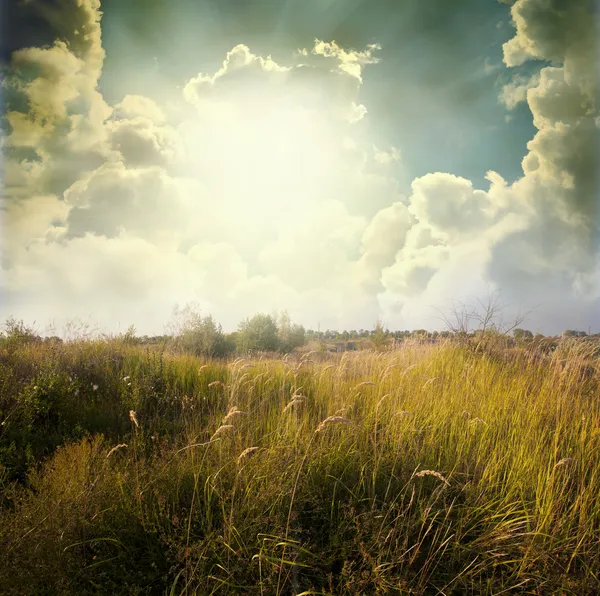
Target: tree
[
  {"x": 17, "y": 332},
  {"x": 522, "y": 335},
  {"x": 573, "y": 333},
  {"x": 483, "y": 319},
  {"x": 290, "y": 335},
  {"x": 378, "y": 337},
  {"x": 199, "y": 335},
  {"x": 258, "y": 333}
]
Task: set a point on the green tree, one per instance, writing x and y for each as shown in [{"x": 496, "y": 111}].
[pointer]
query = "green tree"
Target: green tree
[
  {"x": 199, "y": 335},
  {"x": 522, "y": 335},
  {"x": 290, "y": 335},
  {"x": 258, "y": 333},
  {"x": 378, "y": 337}
]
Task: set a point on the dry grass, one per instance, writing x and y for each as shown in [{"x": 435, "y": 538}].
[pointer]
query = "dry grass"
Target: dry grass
[{"x": 429, "y": 470}]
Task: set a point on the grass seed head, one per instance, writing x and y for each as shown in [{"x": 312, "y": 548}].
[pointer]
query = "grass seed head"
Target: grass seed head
[
  {"x": 247, "y": 453},
  {"x": 116, "y": 448},
  {"x": 365, "y": 384},
  {"x": 133, "y": 417},
  {"x": 429, "y": 381},
  {"x": 402, "y": 413},
  {"x": 564, "y": 462},
  {"x": 233, "y": 413},
  {"x": 437, "y": 475},
  {"x": 331, "y": 420},
  {"x": 224, "y": 428},
  {"x": 478, "y": 420},
  {"x": 296, "y": 401}
]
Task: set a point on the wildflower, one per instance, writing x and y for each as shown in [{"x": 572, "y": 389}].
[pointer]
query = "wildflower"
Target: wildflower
[
  {"x": 133, "y": 417},
  {"x": 94, "y": 387}
]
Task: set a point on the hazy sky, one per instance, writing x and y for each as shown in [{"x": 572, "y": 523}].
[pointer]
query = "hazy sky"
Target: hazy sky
[{"x": 345, "y": 160}]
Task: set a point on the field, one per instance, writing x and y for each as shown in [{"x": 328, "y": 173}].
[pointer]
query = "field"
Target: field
[{"x": 432, "y": 469}]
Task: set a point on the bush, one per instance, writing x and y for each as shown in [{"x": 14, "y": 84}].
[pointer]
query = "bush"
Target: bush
[{"x": 258, "y": 334}]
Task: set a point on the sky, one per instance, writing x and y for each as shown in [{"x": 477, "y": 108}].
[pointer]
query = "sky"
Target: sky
[{"x": 348, "y": 161}]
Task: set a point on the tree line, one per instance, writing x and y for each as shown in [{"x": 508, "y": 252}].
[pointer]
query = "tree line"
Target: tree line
[{"x": 192, "y": 332}]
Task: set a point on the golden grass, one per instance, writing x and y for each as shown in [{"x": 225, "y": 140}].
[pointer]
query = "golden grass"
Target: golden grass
[{"x": 431, "y": 469}]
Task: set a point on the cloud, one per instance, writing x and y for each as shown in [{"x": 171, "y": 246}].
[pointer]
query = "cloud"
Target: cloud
[
  {"x": 449, "y": 205},
  {"x": 383, "y": 238},
  {"x": 325, "y": 234},
  {"x": 350, "y": 62},
  {"x": 311, "y": 82},
  {"x": 386, "y": 158},
  {"x": 54, "y": 112},
  {"x": 515, "y": 92},
  {"x": 144, "y": 201},
  {"x": 560, "y": 247},
  {"x": 135, "y": 200},
  {"x": 262, "y": 188}
]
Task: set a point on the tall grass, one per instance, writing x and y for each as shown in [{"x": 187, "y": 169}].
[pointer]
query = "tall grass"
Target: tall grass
[{"x": 428, "y": 470}]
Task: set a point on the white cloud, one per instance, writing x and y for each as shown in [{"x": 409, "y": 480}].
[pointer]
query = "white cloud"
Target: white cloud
[
  {"x": 450, "y": 205},
  {"x": 262, "y": 190},
  {"x": 515, "y": 92}
]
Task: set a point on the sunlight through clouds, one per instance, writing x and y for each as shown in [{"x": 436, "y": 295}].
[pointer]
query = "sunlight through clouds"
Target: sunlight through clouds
[{"x": 262, "y": 187}]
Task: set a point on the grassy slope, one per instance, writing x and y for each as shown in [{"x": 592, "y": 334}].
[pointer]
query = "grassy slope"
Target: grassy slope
[{"x": 515, "y": 441}]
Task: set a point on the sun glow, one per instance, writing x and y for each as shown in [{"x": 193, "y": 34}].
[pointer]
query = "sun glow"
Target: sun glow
[{"x": 266, "y": 151}]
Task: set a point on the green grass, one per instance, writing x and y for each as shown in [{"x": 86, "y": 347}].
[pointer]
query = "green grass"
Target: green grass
[{"x": 514, "y": 437}]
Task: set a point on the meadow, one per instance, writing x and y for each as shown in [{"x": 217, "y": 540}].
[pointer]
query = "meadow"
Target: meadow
[{"x": 451, "y": 468}]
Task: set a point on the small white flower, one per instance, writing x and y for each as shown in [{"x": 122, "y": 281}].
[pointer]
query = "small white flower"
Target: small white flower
[{"x": 94, "y": 387}]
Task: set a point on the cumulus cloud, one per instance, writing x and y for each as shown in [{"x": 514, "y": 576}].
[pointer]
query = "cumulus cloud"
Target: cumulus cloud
[
  {"x": 536, "y": 239},
  {"x": 109, "y": 206},
  {"x": 327, "y": 79},
  {"x": 261, "y": 189},
  {"x": 515, "y": 92},
  {"x": 559, "y": 181},
  {"x": 449, "y": 205}
]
